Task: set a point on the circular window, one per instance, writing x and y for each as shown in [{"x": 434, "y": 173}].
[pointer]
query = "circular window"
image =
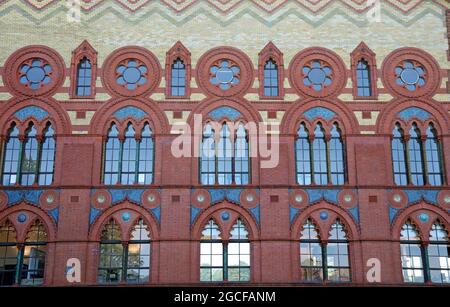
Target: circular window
[
  {"x": 132, "y": 74},
  {"x": 131, "y": 71},
  {"x": 225, "y": 75},
  {"x": 411, "y": 72},
  {"x": 35, "y": 74},
  {"x": 410, "y": 75},
  {"x": 317, "y": 75},
  {"x": 34, "y": 71},
  {"x": 317, "y": 72},
  {"x": 225, "y": 71}
]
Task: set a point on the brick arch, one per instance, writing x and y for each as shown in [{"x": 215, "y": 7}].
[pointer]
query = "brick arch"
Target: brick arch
[
  {"x": 389, "y": 115},
  {"x": 249, "y": 113},
  {"x": 411, "y": 212},
  {"x": 34, "y": 213},
  {"x": 100, "y": 222},
  {"x": 214, "y": 211},
  {"x": 57, "y": 115},
  {"x": 348, "y": 123},
  {"x": 102, "y": 118},
  {"x": 324, "y": 227}
]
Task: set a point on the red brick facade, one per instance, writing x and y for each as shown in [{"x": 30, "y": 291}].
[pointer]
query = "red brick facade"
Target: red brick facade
[{"x": 274, "y": 216}]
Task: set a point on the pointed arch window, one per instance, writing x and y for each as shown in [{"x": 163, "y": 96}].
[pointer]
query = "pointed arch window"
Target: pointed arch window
[
  {"x": 225, "y": 160},
  {"x": 311, "y": 253},
  {"x": 8, "y": 254},
  {"x": 124, "y": 261},
  {"x": 363, "y": 79},
  {"x": 129, "y": 161},
  {"x": 30, "y": 161},
  {"x": 319, "y": 161},
  {"x": 416, "y": 160},
  {"x": 411, "y": 254},
  {"x": 327, "y": 260},
  {"x": 84, "y": 78},
  {"x": 303, "y": 156},
  {"x": 23, "y": 264},
  {"x": 178, "y": 78},
  {"x": 271, "y": 86},
  {"x": 225, "y": 260},
  {"x": 433, "y": 157},
  {"x": 399, "y": 156},
  {"x": 415, "y": 156},
  {"x": 338, "y": 265},
  {"x": 438, "y": 253},
  {"x": 32, "y": 264}
]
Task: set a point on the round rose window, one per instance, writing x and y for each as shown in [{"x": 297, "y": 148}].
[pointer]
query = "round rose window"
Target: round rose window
[
  {"x": 35, "y": 74},
  {"x": 225, "y": 75},
  {"x": 132, "y": 74},
  {"x": 317, "y": 75},
  {"x": 410, "y": 75}
]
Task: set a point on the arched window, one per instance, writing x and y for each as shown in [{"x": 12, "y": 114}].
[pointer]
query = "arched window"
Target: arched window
[
  {"x": 138, "y": 255},
  {"x": 8, "y": 254},
  {"x": 226, "y": 161},
  {"x": 47, "y": 164},
  {"x": 112, "y": 157},
  {"x": 433, "y": 158},
  {"x": 338, "y": 265},
  {"x": 129, "y": 161},
  {"x": 324, "y": 261},
  {"x": 32, "y": 266},
  {"x": 111, "y": 254},
  {"x": 420, "y": 161},
  {"x": 363, "y": 79},
  {"x": 124, "y": 261},
  {"x": 399, "y": 156},
  {"x": 178, "y": 78},
  {"x": 320, "y": 162},
  {"x": 208, "y": 154},
  {"x": 336, "y": 156},
  {"x": 271, "y": 79},
  {"x": 23, "y": 264},
  {"x": 31, "y": 161},
  {"x": 320, "y": 156},
  {"x": 11, "y": 159},
  {"x": 241, "y": 156},
  {"x": 84, "y": 78},
  {"x": 415, "y": 156},
  {"x": 224, "y": 261},
  {"x": 411, "y": 254},
  {"x": 311, "y": 253},
  {"x": 439, "y": 254},
  {"x": 129, "y": 157},
  {"x": 303, "y": 156},
  {"x": 29, "y": 165},
  {"x": 211, "y": 254}
]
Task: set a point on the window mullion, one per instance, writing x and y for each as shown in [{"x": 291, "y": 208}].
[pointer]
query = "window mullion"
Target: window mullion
[
  {"x": 324, "y": 261},
  {"x": 38, "y": 160},
  {"x": 19, "y": 264},
  {"x": 124, "y": 262},
  {"x": 225, "y": 261},
  {"x": 422, "y": 144},
  {"x": 311, "y": 160},
  {"x": 19, "y": 166},
  {"x": 425, "y": 263},
  {"x": 136, "y": 171},
  {"x": 328, "y": 154},
  {"x": 119, "y": 179},
  {"x": 407, "y": 162}
]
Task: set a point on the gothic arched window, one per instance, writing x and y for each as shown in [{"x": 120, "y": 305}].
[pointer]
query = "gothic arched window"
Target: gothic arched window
[
  {"x": 224, "y": 260},
  {"x": 124, "y": 261},
  {"x": 271, "y": 86},
  {"x": 30, "y": 161},
  {"x": 129, "y": 161},
  {"x": 320, "y": 161},
  {"x": 84, "y": 78},
  {"x": 225, "y": 158},
  {"x": 416, "y": 160}
]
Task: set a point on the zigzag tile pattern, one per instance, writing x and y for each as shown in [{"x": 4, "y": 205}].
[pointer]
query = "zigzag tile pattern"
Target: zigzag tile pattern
[{"x": 224, "y": 12}]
